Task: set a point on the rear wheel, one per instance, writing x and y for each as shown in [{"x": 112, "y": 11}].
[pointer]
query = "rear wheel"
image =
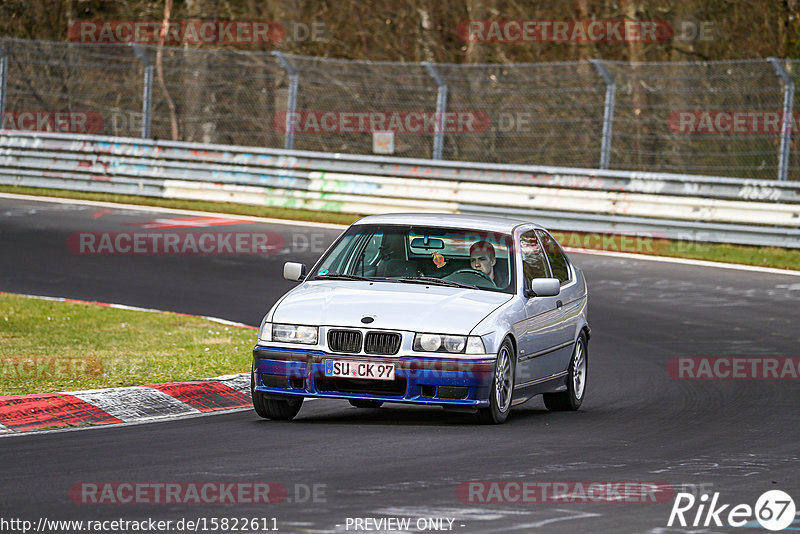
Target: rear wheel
[
  {"x": 363, "y": 403},
  {"x": 572, "y": 398},
  {"x": 502, "y": 387},
  {"x": 273, "y": 408}
]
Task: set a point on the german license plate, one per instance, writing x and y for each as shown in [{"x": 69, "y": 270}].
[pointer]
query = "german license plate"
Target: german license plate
[{"x": 359, "y": 369}]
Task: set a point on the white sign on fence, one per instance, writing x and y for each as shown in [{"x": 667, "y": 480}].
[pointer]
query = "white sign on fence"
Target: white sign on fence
[{"x": 383, "y": 142}]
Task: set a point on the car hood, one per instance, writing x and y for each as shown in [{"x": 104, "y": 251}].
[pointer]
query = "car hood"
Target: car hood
[{"x": 395, "y": 306}]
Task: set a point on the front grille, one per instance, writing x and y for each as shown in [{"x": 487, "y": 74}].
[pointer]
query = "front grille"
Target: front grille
[
  {"x": 382, "y": 343},
  {"x": 344, "y": 341},
  {"x": 394, "y": 388}
]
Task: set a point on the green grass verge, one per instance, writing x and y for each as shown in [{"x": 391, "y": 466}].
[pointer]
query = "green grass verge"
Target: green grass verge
[
  {"x": 775, "y": 257},
  {"x": 48, "y": 346}
]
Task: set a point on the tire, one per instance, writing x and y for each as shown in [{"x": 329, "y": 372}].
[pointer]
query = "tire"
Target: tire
[
  {"x": 572, "y": 398},
  {"x": 363, "y": 403},
  {"x": 502, "y": 389},
  {"x": 272, "y": 408}
]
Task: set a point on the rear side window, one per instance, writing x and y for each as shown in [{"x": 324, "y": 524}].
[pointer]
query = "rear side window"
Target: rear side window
[{"x": 558, "y": 261}]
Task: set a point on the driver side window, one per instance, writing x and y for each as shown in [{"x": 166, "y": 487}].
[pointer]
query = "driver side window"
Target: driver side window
[{"x": 533, "y": 261}]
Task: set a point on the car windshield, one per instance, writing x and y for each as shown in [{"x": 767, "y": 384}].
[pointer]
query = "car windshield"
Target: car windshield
[{"x": 411, "y": 254}]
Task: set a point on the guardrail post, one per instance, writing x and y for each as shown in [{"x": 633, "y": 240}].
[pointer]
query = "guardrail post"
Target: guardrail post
[
  {"x": 147, "y": 95},
  {"x": 608, "y": 112},
  {"x": 3, "y": 76},
  {"x": 291, "y": 103},
  {"x": 786, "y": 124},
  {"x": 441, "y": 108}
]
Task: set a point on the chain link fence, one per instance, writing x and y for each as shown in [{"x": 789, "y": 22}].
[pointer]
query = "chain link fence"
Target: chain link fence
[{"x": 729, "y": 118}]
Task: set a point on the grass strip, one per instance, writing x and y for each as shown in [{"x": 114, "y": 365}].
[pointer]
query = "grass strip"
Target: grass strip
[{"x": 48, "y": 346}]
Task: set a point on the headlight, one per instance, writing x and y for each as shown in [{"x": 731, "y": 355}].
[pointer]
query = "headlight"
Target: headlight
[
  {"x": 447, "y": 343},
  {"x": 265, "y": 332},
  {"x": 290, "y": 333},
  {"x": 455, "y": 343},
  {"x": 428, "y": 342}
]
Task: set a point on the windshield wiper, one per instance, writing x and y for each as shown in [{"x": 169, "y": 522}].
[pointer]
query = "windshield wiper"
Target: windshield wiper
[
  {"x": 343, "y": 277},
  {"x": 434, "y": 281}
]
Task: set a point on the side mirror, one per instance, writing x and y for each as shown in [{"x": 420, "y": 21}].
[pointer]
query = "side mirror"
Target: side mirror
[
  {"x": 296, "y": 272},
  {"x": 545, "y": 287}
]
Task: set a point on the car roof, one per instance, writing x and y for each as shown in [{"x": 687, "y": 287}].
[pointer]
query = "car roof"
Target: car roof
[{"x": 488, "y": 223}]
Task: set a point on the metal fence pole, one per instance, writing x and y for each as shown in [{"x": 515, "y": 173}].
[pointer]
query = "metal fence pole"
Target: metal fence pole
[
  {"x": 441, "y": 108},
  {"x": 608, "y": 112},
  {"x": 147, "y": 95},
  {"x": 291, "y": 103},
  {"x": 786, "y": 124},
  {"x": 3, "y": 76}
]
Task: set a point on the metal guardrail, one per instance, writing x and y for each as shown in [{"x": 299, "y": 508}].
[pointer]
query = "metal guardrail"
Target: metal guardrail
[{"x": 697, "y": 208}]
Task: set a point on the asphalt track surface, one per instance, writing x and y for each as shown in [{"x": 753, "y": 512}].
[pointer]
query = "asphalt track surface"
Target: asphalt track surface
[{"x": 736, "y": 437}]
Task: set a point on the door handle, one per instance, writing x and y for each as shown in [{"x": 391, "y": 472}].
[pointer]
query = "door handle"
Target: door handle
[{"x": 559, "y": 304}]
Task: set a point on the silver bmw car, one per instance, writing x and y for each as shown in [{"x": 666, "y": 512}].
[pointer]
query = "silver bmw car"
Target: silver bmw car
[{"x": 470, "y": 313}]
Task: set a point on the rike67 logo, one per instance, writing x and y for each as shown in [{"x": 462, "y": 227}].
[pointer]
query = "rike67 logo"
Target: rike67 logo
[{"x": 774, "y": 510}]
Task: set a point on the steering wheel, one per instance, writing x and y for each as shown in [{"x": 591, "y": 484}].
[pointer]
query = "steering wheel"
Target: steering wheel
[{"x": 473, "y": 272}]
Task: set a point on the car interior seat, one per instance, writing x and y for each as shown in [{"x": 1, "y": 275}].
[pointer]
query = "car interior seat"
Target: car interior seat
[{"x": 397, "y": 268}]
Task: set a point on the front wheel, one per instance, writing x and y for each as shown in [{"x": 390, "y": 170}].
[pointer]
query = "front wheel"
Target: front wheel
[
  {"x": 502, "y": 387},
  {"x": 572, "y": 398},
  {"x": 272, "y": 408}
]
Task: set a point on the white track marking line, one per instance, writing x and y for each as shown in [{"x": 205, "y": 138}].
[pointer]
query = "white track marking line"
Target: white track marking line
[
  {"x": 156, "y": 209},
  {"x": 132, "y": 308},
  {"x": 143, "y": 421},
  {"x": 684, "y": 261}
]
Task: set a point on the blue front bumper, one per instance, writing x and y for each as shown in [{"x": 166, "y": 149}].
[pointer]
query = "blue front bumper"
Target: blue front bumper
[{"x": 418, "y": 380}]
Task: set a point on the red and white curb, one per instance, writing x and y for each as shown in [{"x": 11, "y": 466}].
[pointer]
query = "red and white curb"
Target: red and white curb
[{"x": 19, "y": 413}]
